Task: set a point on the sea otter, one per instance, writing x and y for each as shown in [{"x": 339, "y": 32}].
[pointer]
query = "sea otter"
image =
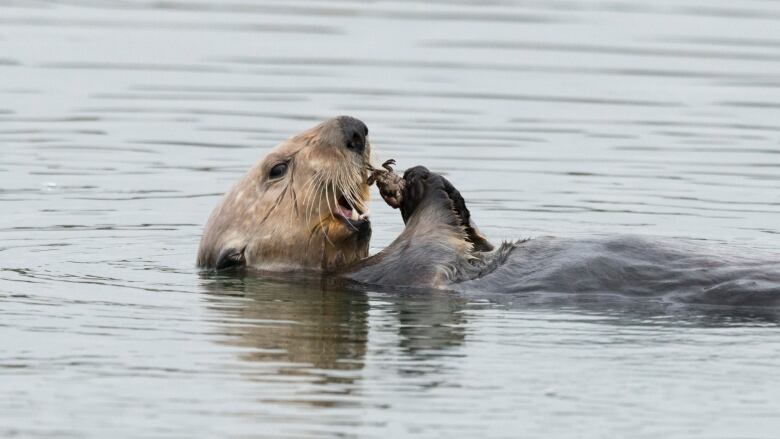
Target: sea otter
[{"x": 303, "y": 207}]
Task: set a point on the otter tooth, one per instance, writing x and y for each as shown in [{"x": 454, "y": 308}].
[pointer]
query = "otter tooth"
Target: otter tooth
[{"x": 354, "y": 216}]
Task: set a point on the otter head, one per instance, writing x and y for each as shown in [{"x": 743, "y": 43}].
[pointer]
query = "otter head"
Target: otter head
[{"x": 303, "y": 206}]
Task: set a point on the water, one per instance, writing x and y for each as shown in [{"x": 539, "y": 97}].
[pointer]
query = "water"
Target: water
[{"x": 122, "y": 122}]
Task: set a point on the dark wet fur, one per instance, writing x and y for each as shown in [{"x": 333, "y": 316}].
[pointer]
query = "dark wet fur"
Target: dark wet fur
[
  {"x": 636, "y": 267},
  {"x": 549, "y": 269}
]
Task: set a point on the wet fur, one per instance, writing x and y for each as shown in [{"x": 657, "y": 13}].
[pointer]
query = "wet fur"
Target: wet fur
[
  {"x": 436, "y": 250},
  {"x": 440, "y": 244},
  {"x": 288, "y": 223}
]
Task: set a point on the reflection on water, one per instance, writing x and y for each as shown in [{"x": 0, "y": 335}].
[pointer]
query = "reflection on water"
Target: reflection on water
[
  {"x": 373, "y": 362},
  {"x": 121, "y": 123},
  {"x": 317, "y": 323},
  {"x": 302, "y": 328}
]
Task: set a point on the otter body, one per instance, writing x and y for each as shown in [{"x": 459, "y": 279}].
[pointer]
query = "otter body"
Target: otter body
[
  {"x": 313, "y": 217},
  {"x": 441, "y": 247},
  {"x": 638, "y": 268}
]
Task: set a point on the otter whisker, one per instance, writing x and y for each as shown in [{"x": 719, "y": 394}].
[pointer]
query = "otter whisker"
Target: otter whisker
[
  {"x": 322, "y": 194},
  {"x": 313, "y": 186},
  {"x": 345, "y": 192},
  {"x": 307, "y": 188},
  {"x": 351, "y": 192},
  {"x": 348, "y": 186},
  {"x": 310, "y": 207},
  {"x": 339, "y": 183},
  {"x": 322, "y": 221},
  {"x": 335, "y": 200},
  {"x": 307, "y": 191}
]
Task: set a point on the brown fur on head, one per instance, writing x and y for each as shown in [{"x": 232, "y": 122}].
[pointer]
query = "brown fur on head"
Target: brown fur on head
[{"x": 287, "y": 212}]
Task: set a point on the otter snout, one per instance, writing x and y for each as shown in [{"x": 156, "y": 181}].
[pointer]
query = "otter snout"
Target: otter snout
[{"x": 354, "y": 132}]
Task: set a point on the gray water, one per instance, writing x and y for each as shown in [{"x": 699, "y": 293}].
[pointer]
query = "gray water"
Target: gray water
[{"x": 122, "y": 122}]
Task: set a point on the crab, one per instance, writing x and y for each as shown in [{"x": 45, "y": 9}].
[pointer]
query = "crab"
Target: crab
[{"x": 390, "y": 184}]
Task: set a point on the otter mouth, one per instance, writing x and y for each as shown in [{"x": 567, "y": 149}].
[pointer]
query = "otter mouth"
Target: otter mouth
[{"x": 352, "y": 216}]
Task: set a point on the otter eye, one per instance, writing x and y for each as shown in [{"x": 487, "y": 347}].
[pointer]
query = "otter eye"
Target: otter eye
[{"x": 278, "y": 170}]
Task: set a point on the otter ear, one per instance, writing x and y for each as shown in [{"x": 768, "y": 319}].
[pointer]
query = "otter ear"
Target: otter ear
[{"x": 230, "y": 257}]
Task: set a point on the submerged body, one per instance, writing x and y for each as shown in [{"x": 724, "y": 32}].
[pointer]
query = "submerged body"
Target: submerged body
[{"x": 259, "y": 225}]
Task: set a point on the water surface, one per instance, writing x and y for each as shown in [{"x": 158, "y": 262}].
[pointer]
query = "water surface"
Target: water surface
[{"x": 122, "y": 122}]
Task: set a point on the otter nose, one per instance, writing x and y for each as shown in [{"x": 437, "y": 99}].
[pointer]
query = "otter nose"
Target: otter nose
[{"x": 355, "y": 133}]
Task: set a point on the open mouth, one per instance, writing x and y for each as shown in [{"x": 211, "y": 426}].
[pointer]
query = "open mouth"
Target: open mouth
[{"x": 352, "y": 216}]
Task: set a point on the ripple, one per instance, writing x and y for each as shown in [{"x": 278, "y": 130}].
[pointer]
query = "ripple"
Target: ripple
[
  {"x": 632, "y": 51},
  {"x": 193, "y": 144},
  {"x": 444, "y": 14},
  {"x": 133, "y": 66},
  {"x": 417, "y": 65},
  {"x": 178, "y": 26},
  {"x": 386, "y": 92}
]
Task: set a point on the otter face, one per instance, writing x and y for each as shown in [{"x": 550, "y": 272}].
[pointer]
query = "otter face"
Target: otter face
[{"x": 303, "y": 206}]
